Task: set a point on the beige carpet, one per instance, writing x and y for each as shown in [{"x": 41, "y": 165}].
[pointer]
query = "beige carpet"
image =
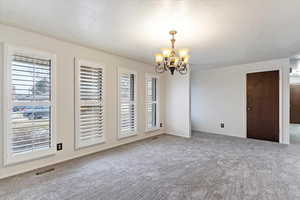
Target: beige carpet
[{"x": 208, "y": 167}]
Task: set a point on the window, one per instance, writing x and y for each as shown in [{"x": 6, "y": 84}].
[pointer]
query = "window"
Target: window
[
  {"x": 89, "y": 103},
  {"x": 29, "y": 104},
  {"x": 127, "y": 103},
  {"x": 151, "y": 104}
]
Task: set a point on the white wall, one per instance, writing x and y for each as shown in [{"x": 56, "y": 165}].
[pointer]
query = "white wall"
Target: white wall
[
  {"x": 219, "y": 95},
  {"x": 65, "y": 53},
  {"x": 177, "y": 113},
  {"x": 295, "y": 80}
]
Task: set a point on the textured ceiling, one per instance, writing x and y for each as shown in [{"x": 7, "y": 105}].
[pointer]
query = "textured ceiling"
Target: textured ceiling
[{"x": 218, "y": 32}]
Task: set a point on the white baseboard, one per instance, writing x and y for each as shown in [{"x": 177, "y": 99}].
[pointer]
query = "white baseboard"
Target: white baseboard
[
  {"x": 226, "y": 134},
  {"x": 178, "y": 133}
]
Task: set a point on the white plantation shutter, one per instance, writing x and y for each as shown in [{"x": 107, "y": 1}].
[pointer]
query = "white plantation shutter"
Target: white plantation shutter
[
  {"x": 89, "y": 104},
  {"x": 151, "y": 104},
  {"x": 30, "y": 115},
  {"x": 127, "y": 103}
]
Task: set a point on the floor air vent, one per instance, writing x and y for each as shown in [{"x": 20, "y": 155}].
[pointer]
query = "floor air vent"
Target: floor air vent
[{"x": 41, "y": 172}]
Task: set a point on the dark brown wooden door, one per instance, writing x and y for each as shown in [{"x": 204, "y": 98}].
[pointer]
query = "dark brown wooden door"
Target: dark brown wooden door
[
  {"x": 263, "y": 105},
  {"x": 295, "y": 104}
]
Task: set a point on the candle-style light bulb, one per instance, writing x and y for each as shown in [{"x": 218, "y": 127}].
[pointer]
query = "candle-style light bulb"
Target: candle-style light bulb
[
  {"x": 183, "y": 52},
  {"x": 166, "y": 52},
  {"x": 186, "y": 59},
  {"x": 158, "y": 58}
]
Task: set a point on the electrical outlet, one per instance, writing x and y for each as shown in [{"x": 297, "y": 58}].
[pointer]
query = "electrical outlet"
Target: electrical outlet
[
  {"x": 59, "y": 146},
  {"x": 222, "y": 125},
  {"x": 161, "y": 125}
]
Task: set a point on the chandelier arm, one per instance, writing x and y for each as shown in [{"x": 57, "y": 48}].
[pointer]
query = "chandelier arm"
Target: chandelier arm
[
  {"x": 182, "y": 66},
  {"x": 183, "y": 71},
  {"x": 165, "y": 67},
  {"x": 159, "y": 68},
  {"x": 179, "y": 66}
]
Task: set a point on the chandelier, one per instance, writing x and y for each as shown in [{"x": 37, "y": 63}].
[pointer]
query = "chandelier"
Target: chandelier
[{"x": 168, "y": 59}]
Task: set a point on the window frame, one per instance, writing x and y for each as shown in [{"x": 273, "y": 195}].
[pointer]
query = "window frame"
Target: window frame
[
  {"x": 157, "y": 127},
  {"x": 9, "y": 158},
  {"x": 131, "y": 133},
  {"x": 79, "y": 62}
]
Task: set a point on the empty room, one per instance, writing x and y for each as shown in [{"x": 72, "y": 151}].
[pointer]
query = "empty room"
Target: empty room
[{"x": 149, "y": 100}]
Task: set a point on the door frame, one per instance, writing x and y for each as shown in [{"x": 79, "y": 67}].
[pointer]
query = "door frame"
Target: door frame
[
  {"x": 298, "y": 84},
  {"x": 281, "y": 84}
]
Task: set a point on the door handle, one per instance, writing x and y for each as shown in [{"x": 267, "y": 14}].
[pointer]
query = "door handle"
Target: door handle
[{"x": 249, "y": 108}]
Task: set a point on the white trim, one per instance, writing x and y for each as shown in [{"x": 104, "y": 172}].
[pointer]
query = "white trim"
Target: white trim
[
  {"x": 6, "y": 102},
  {"x": 149, "y": 130},
  {"x": 9, "y": 50},
  {"x": 157, "y": 127},
  {"x": 179, "y": 133},
  {"x": 78, "y": 63},
  {"x": 136, "y": 102},
  {"x": 280, "y": 98},
  {"x": 190, "y": 104},
  {"x": 286, "y": 106}
]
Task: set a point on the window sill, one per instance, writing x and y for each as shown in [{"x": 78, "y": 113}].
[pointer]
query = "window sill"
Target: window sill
[
  {"x": 152, "y": 130},
  {"x": 29, "y": 157},
  {"x": 89, "y": 144},
  {"x": 120, "y": 137}
]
